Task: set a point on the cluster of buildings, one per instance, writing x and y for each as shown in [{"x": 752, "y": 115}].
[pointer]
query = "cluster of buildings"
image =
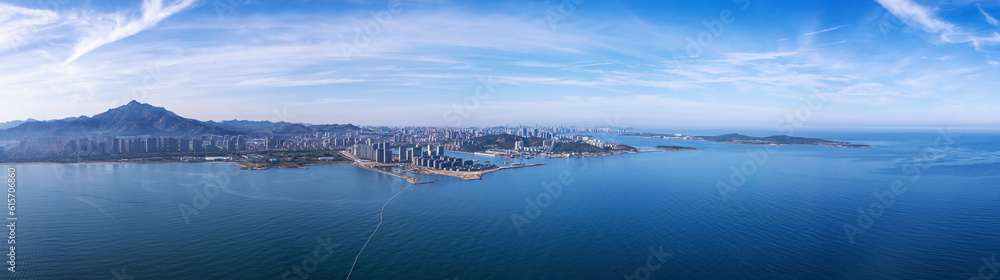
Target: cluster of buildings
[
  {"x": 67, "y": 147},
  {"x": 382, "y": 152},
  {"x": 369, "y": 142},
  {"x": 450, "y": 163},
  {"x": 166, "y": 145},
  {"x": 431, "y": 157}
]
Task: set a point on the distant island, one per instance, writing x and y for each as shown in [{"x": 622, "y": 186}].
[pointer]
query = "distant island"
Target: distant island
[
  {"x": 675, "y": 148},
  {"x": 734, "y": 138}
]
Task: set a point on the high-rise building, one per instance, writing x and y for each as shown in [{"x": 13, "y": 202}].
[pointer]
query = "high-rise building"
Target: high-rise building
[
  {"x": 385, "y": 155},
  {"x": 402, "y": 153},
  {"x": 83, "y": 146},
  {"x": 116, "y": 146},
  {"x": 24, "y": 145},
  {"x": 241, "y": 143},
  {"x": 126, "y": 146},
  {"x": 270, "y": 143},
  {"x": 364, "y": 151},
  {"x": 150, "y": 145},
  {"x": 173, "y": 145},
  {"x": 380, "y": 155},
  {"x": 102, "y": 147},
  {"x": 439, "y": 151},
  {"x": 409, "y": 155},
  {"x": 196, "y": 145},
  {"x": 184, "y": 145}
]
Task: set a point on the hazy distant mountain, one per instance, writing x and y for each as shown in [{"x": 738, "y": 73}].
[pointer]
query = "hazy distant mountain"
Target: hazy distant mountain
[
  {"x": 245, "y": 125},
  {"x": 6, "y": 125},
  {"x": 137, "y": 118},
  {"x": 133, "y": 118},
  {"x": 281, "y": 128}
]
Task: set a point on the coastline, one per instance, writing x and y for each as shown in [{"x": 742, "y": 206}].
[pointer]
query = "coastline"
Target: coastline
[
  {"x": 411, "y": 180},
  {"x": 108, "y": 163},
  {"x": 465, "y": 175}
]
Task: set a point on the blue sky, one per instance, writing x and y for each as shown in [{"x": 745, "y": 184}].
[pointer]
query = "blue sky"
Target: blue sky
[{"x": 728, "y": 63}]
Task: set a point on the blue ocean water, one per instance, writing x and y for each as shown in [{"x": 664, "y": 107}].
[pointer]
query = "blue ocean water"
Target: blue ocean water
[{"x": 661, "y": 214}]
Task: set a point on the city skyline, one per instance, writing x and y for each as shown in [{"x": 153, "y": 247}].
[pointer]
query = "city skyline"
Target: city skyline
[{"x": 886, "y": 63}]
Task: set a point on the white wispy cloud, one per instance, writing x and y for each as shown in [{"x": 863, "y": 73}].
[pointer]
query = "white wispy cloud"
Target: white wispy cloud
[
  {"x": 18, "y": 24},
  {"x": 822, "y": 31},
  {"x": 438, "y": 56},
  {"x": 121, "y": 26},
  {"x": 989, "y": 19},
  {"x": 922, "y": 17},
  {"x": 742, "y": 57},
  {"x": 916, "y": 14},
  {"x": 585, "y": 65}
]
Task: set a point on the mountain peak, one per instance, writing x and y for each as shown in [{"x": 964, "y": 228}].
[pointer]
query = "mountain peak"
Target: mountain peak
[{"x": 134, "y": 103}]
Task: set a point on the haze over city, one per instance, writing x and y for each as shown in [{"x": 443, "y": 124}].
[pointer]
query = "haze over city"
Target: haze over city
[{"x": 886, "y": 63}]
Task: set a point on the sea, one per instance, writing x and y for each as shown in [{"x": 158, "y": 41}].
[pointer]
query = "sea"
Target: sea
[{"x": 916, "y": 205}]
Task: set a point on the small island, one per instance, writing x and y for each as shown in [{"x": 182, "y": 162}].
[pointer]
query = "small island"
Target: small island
[
  {"x": 675, "y": 148},
  {"x": 734, "y": 138}
]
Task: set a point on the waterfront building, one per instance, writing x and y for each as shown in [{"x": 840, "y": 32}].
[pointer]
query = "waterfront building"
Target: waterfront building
[
  {"x": 197, "y": 145},
  {"x": 270, "y": 143},
  {"x": 241, "y": 143}
]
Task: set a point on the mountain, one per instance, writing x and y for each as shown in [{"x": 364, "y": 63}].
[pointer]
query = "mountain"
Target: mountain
[
  {"x": 245, "y": 125},
  {"x": 6, "y": 125},
  {"x": 137, "y": 118},
  {"x": 133, "y": 118},
  {"x": 281, "y": 128}
]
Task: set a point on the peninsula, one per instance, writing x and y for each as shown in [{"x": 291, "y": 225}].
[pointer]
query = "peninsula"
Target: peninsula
[{"x": 734, "y": 138}]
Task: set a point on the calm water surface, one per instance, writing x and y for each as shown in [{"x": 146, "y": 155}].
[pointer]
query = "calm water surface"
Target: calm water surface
[{"x": 786, "y": 221}]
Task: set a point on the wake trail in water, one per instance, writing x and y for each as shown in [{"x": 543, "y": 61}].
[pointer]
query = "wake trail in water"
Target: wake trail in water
[{"x": 373, "y": 232}]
